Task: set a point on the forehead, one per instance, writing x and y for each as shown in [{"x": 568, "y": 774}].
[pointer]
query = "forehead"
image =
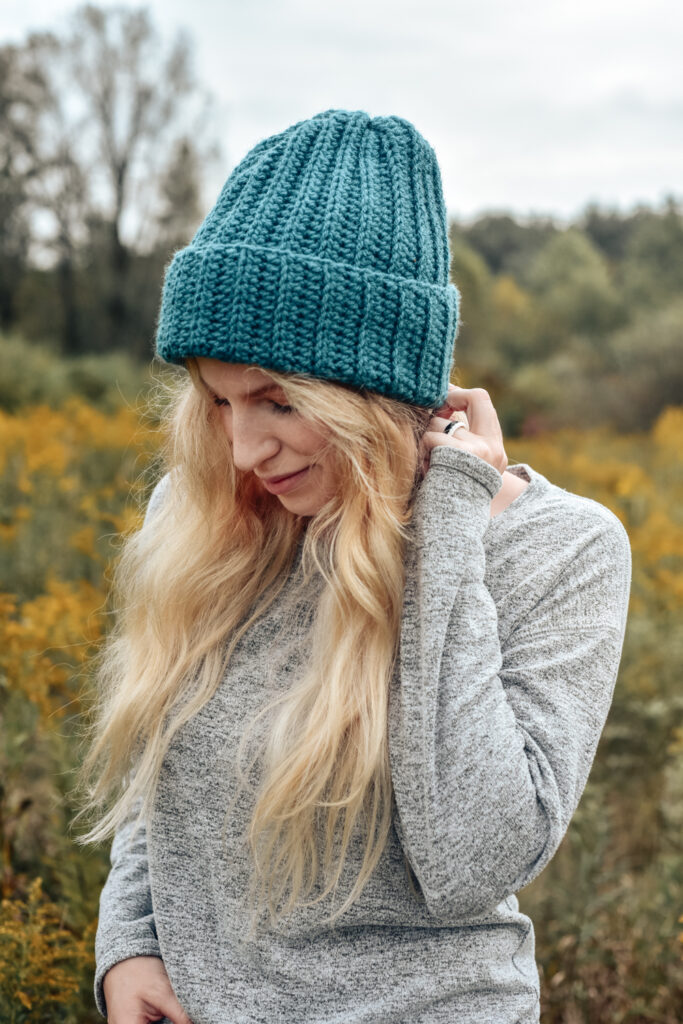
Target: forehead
[{"x": 239, "y": 378}]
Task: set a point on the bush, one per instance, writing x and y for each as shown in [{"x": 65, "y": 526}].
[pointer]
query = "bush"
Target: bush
[{"x": 33, "y": 374}]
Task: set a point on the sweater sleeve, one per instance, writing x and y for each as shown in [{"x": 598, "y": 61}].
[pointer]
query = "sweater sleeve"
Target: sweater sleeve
[
  {"x": 490, "y": 749},
  {"x": 125, "y": 925}
]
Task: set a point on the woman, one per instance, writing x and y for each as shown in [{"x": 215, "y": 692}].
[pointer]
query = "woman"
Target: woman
[{"x": 361, "y": 667}]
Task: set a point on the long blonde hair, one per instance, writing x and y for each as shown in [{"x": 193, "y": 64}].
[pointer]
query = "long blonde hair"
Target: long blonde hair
[{"x": 182, "y": 607}]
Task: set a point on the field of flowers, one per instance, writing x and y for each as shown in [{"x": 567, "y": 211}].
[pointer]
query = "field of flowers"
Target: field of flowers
[{"x": 608, "y": 910}]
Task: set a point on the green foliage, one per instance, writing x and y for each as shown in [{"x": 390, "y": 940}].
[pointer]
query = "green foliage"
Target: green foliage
[
  {"x": 507, "y": 245},
  {"x": 577, "y": 324},
  {"x": 647, "y": 365},
  {"x": 571, "y": 281},
  {"x": 608, "y": 230},
  {"x": 36, "y": 374},
  {"x": 652, "y": 271},
  {"x": 469, "y": 269}
]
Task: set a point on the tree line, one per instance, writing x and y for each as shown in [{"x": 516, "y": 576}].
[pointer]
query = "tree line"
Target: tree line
[
  {"x": 578, "y": 324},
  {"x": 106, "y": 142},
  {"x": 106, "y": 138}
]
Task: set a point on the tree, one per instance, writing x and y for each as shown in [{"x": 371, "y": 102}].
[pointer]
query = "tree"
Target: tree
[
  {"x": 573, "y": 284},
  {"x": 180, "y": 210},
  {"x": 652, "y": 273},
  {"x": 507, "y": 245},
  {"x": 647, "y": 369},
  {"x": 512, "y": 323},
  {"x": 473, "y": 279},
  {"x": 22, "y": 95},
  {"x": 120, "y": 108},
  {"x": 609, "y": 230}
]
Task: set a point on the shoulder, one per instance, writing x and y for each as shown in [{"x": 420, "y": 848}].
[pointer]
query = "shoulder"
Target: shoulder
[
  {"x": 562, "y": 520},
  {"x": 578, "y": 521},
  {"x": 561, "y": 549},
  {"x": 156, "y": 499},
  {"x": 594, "y": 551}
]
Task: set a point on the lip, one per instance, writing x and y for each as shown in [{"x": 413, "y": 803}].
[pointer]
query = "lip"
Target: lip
[{"x": 282, "y": 484}]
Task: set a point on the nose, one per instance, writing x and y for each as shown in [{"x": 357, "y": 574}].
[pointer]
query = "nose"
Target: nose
[{"x": 252, "y": 443}]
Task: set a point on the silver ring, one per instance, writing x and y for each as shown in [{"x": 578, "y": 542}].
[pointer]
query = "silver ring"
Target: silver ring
[{"x": 451, "y": 427}]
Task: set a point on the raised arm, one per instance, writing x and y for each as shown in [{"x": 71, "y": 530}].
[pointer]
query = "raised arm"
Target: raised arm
[{"x": 490, "y": 750}]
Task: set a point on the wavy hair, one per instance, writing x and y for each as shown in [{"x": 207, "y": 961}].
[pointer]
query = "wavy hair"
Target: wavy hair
[{"x": 181, "y": 609}]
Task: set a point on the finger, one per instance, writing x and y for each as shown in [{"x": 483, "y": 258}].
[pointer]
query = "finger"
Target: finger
[
  {"x": 482, "y": 417},
  {"x": 447, "y": 413},
  {"x": 177, "y": 1014},
  {"x": 456, "y": 400},
  {"x": 167, "y": 1005},
  {"x": 445, "y": 409},
  {"x": 434, "y": 438},
  {"x": 439, "y": 423}
]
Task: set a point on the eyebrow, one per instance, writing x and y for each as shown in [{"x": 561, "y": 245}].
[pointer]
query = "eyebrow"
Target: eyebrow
[{"x": 272, "y": 386}]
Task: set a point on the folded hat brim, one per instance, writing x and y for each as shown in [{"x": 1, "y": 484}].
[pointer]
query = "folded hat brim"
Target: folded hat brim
[{"x": 298, "y": 313}]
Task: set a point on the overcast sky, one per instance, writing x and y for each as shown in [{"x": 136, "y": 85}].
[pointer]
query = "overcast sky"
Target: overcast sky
[{"x": 537, "y": 106}]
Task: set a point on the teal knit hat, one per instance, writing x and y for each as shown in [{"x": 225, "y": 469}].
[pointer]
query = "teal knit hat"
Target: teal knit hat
[{"x": 326, "y": 254}]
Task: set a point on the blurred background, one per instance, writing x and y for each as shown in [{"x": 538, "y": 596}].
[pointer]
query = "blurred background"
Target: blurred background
[{"x": 559, "y": 132}]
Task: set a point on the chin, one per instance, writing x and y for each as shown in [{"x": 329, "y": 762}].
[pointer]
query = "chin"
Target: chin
[{"x": 299, "y": 508}]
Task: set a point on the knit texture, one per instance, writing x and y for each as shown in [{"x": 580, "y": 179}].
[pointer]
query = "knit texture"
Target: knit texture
[
  {"x": 509, "y": 649},
  {"x": 326, "y": 254}
]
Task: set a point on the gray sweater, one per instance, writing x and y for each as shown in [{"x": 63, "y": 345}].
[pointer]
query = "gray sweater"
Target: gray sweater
[{"x": 511, "y": 638}]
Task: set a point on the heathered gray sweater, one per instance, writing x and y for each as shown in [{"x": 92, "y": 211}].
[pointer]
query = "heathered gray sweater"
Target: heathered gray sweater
[{"x": 511, "y": 639}]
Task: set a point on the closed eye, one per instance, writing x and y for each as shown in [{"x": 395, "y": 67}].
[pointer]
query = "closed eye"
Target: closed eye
[{"x": 276, "y": 405}]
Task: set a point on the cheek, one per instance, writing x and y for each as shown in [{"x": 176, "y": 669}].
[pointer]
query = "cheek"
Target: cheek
[
  {"x": 327, "y": 473},
  {"x": 224, "y": 424},
  {"x": 306, "y": 439}
]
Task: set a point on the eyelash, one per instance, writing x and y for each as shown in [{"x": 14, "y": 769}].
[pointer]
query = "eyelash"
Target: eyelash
[{"x": 277, "y": 408}]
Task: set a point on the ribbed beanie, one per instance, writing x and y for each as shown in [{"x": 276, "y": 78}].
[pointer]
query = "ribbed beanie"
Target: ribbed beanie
[{"x": 326, "y": 254}]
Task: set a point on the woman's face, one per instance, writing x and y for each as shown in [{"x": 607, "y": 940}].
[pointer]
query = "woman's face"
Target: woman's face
[{"x": 267, "y": 438}]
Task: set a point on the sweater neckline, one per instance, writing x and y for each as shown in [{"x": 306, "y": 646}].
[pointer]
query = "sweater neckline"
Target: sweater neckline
[{"x": 536, "y": 485}]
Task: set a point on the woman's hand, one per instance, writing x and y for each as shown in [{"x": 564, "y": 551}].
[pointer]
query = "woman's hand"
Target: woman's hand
[
  {"x": 137, "y": 991},
  {"x": 481, "y": 435}
]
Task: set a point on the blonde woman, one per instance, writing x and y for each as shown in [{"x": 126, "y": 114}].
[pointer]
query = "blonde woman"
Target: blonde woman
[{"x": 360, "y": 667}]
